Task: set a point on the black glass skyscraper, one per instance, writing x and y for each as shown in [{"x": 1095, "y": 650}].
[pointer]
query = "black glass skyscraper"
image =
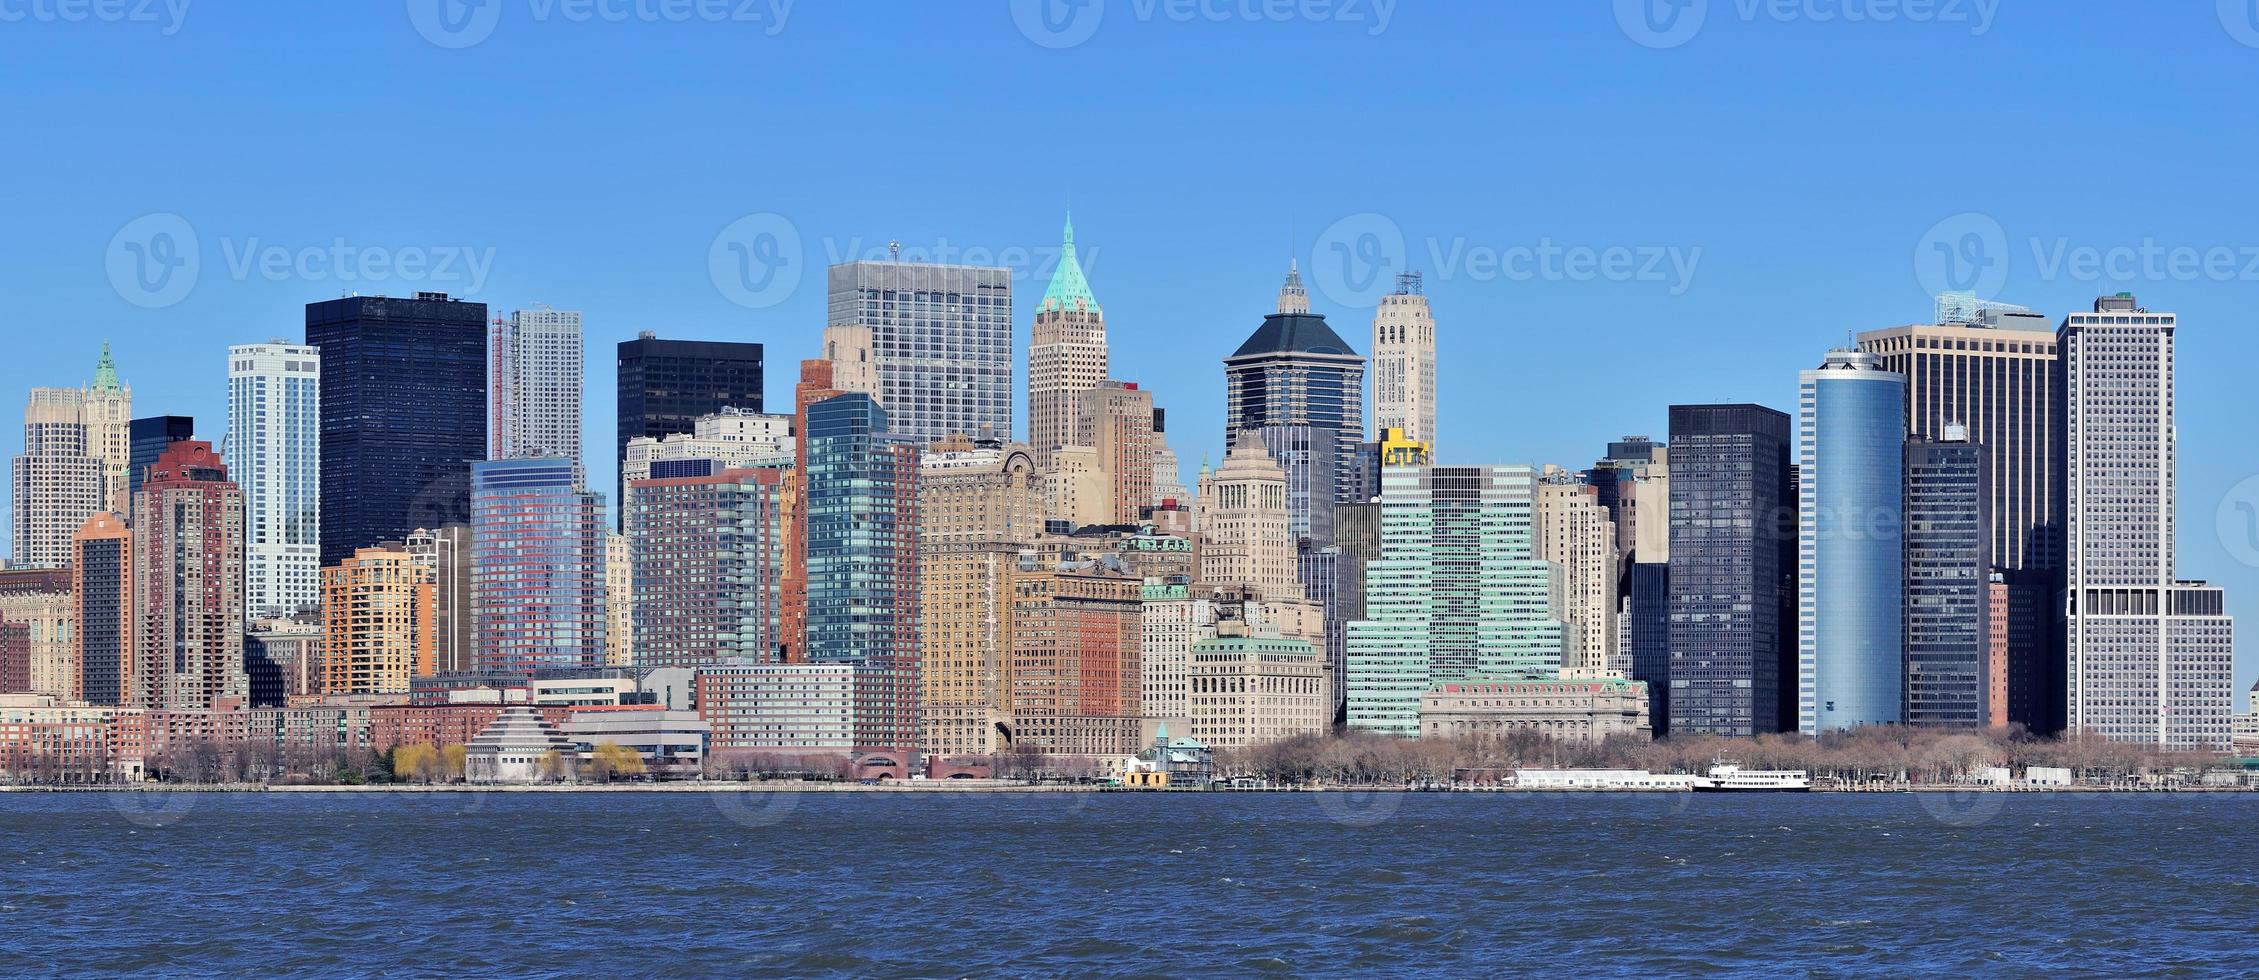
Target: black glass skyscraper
[
  {"x": 403, "y": 396},
  {"x": 147, "y": 438},
  {"x": 666, "y": 385},
  {"x": 1732, "y": 569},
  {"x": 1948, "y": 558}
]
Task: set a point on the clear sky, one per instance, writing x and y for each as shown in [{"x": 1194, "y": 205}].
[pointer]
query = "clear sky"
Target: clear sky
[{"x": 1615, "y": 208}]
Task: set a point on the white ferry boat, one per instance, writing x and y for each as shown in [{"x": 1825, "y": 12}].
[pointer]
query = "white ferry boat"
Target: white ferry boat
[{"x": 1725, "y": 777}]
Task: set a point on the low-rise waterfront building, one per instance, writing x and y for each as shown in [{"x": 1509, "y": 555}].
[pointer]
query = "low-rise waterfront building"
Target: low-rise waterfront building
[{"x": 1565, "y": 710}]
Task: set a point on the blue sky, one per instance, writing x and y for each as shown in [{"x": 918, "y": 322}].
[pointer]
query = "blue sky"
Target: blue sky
[{"x": 1612, "y": 214}]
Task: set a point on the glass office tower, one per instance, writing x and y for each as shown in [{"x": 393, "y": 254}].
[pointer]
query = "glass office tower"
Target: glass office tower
[{"x": 1850, "y": 615}]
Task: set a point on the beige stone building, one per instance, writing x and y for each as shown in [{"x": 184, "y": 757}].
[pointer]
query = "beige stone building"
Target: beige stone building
[
  {"x": 980, "y": 507},
  {"x": 1115, "y": 419},
  {"x": 1574, "y": 532},
  {"x": 619, "y": 601},
  {"x": 1567, "y": 710},
  {"x": 1403, "y": 364},
  {"x": 377, "y": 623},
  {"x": 40, "y": 600},
  {"x": 1245, "y": 540},
  {"x": 1066, "y": 353},
  {"x": 1251, "y": 689}
]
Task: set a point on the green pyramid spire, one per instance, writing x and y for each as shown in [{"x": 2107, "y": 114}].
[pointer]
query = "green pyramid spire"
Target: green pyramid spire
[
  {"x": 106, "y": 373},
  {"x": 1067, "y": 283}
]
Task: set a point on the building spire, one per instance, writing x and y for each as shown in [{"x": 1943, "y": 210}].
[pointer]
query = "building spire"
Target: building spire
[
  {"x": 1068, "y": 287},
  {"x": 1292, "y": 297},
  {"x": 106, "y": 373}
]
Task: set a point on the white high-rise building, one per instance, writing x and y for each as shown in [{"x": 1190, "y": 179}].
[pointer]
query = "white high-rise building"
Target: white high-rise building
[
  {"x": 2151, "y": 657},
  {"x": 534, "y": 385},
  {"x": 940, "y": 343},
  {"x": 273, "y": 452},
  {"x": 58, "y": 480},
  {"x": 731, "y": 439},
  {"x": 1403, "y": 362}
]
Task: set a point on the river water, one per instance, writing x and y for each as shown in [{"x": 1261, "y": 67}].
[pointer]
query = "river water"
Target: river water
[{"x": 934, "y": 884}]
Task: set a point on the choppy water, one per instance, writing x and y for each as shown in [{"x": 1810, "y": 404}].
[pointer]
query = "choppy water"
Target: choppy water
[{"x": 958, "y": 885}]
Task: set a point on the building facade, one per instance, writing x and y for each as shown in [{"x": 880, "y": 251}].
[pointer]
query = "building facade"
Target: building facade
[
  {"x": 1458, "y": 592},
  {"x": 1952, "y": 634},
  {"x": 41, "y": 600},
  {"x": 537, "y": 567},
  {"x": 1294, "y": 370},
  {"x": 1563, "y": 710},
  {"x": 707, "y": 554},
  {"x": 274, "y": 451},
  {"x": 1573, "y": 532},
  {"x": 980, "y": 506},
  {"x": 2151, "y": 656},
  {"x": 148, "y": 438},
  {"x": 1851, "y": 572},
  {"x": 188, "y": 584},
  {"x": 57, "y": 481},
  {"x": 103, "y": 608},
  {"x": 377, "y": 623},
  {"x": 1732, "y": 572},
  {"x": 863, "y": 602},
  {"x": 941, "y": 341},
  {"x": 1249, "y": 690},
  {"x": 1404, "y": 361},
  {"x": 533, "y": 394},
  {"x": 1245, "y": 534},
  {"x": 403, "y": 413}
]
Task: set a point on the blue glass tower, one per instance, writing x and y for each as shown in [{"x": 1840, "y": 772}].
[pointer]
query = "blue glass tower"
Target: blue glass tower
[
  {"x": 1851, "y": 575},
  {"x": 862, "y": 547}
]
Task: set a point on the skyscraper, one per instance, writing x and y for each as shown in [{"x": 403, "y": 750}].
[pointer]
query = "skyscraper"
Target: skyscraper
[
  {"x": 403, "y": 409},
  {"x": 1066, "y": 352},
  {"x": 103, "y": 610},
  {"x": 708, "y": 553},
  {"x": 1458, "y": 592},
  {"x": 863, "y": 601},
  {"x": 1732, "y": 571},
  {"x": 941, "y": 340},
  {"x": 148, "y": 438},
  {"x": 1404, "y": 361},
  {"x": 1851, "y": 584},
  {"x": 273, "y": 450},
  {"x": 57, "y": 479},
  {"x": 1949, "y": 602},
  {"x": 666, "y": 386},
  {"x": 188, "y": 584},
  {"x": 1294, "y": 370},
  {"x": 1075, "y": 677},
  {"x": 534, "y": 385},
  {"x": 1991, "y": 369},
  {"x": 2151, "y": 657},
  {"x": 443, "y": 555},
  {"x": 537, "y": 539}
]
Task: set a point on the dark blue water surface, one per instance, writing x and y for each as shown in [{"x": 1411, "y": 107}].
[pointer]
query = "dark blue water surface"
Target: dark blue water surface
[{"x": 956, "y": 885}]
